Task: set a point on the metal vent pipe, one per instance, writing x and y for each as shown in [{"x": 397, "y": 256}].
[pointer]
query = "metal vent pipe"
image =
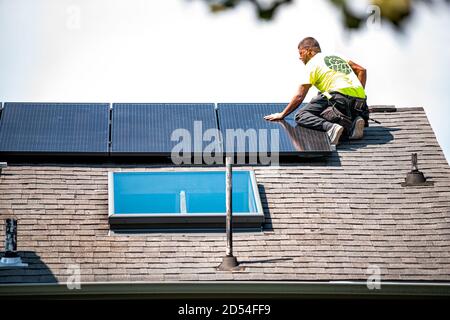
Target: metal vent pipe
[
  {"x": 229, "y": 262},
  {"x": 11, "y": 259}
]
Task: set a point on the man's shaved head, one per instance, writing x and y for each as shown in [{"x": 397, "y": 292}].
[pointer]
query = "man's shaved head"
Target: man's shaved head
[{"x": 309, "y": 43}]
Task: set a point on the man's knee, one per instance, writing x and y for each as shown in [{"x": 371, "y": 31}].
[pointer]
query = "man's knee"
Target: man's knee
[{"x": 300, "y": 115}]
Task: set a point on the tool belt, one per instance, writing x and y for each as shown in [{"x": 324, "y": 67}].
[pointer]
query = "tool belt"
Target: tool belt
[
  {"x": 346, "y": 108},
  {"x": 333, "y": 115}
]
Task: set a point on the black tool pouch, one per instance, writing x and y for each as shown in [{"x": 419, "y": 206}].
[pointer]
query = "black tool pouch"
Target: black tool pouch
[
  {"x": 332, "y": 114},
  {"x": 361, "y": 109}
]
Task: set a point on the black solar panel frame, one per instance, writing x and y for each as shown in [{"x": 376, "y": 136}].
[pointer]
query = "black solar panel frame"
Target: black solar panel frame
[
  {"x": 316, "y": 144},
  {"x": 100, "y": 137},
  {"x": 116, "y": 151}
]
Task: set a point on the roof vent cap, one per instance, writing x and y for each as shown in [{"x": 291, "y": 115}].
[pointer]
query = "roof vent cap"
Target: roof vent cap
[{"x": 415, "y": 177}]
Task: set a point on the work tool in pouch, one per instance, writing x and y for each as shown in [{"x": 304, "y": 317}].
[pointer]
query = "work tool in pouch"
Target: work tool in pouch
[{"x": 333, "y": 115}]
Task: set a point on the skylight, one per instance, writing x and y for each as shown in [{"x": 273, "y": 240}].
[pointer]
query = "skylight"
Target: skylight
[{"x": 181, "y": 199}]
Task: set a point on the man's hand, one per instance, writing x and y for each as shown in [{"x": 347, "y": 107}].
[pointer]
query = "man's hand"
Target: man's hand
[{"x": 274, "y": 116}]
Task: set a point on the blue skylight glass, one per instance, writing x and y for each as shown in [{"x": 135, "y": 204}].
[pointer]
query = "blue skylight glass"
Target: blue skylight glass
[{"x": 197, "y": 197}]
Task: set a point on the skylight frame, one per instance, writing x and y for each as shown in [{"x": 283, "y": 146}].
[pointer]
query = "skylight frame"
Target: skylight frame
[{"x": 184, "y": 221}]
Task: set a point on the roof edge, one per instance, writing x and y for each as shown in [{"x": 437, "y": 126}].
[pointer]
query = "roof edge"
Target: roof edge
[
  {"x": 392, "y": 108},
  {"x": 405, "y": 109},
  {"x": 223, "y": 289}
]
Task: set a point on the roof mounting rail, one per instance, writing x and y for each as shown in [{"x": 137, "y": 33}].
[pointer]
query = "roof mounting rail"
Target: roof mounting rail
[{"x": 382, "y": 108}]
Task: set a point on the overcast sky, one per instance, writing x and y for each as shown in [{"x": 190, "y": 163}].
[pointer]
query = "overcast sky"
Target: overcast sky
[{"x": 177, "y": 51}]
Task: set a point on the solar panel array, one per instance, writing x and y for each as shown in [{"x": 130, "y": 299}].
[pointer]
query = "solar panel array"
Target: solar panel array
[{"x": 152, "y": 129}]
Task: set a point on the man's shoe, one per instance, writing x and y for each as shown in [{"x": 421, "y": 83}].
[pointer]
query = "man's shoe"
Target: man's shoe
[
  {"x": 357, "y": 129},
  {"x": 335, "y": 133}
]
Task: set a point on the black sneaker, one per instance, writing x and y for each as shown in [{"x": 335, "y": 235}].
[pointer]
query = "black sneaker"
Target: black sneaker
[
  {"x": 357, "y": 129},
  {"x": 335, "y": 133}
]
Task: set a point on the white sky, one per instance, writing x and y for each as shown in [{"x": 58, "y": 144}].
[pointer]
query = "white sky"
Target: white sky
[{"x": 177, "y": 51}]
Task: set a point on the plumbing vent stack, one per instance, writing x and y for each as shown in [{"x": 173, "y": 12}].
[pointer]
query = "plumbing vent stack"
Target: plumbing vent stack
[
  {"x": 229, "y": 261},
  {"x": 11, "y": 258},
  {"x": 415, "y": 177}
]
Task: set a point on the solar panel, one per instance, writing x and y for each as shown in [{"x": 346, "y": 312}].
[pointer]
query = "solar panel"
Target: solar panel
[
  {"x": 259, "y": 135},
  {"x": 156, "y": 128},
  {"x": 54, "y": 128}
]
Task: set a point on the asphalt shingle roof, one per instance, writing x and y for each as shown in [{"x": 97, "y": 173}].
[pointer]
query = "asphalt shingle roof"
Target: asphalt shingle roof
[{"x": 325, "y": 220}]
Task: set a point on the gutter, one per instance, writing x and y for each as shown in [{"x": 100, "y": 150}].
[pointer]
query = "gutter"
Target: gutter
[{"x": 226, "y": 289}]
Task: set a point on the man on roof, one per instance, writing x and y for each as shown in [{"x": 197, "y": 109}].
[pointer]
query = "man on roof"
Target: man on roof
[{"x": 341, "y": 84}]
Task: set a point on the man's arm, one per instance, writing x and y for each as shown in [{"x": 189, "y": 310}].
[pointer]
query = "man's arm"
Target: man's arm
[
  {"x": 360, "y": 72},
  {"x": 295, "y": 102}
]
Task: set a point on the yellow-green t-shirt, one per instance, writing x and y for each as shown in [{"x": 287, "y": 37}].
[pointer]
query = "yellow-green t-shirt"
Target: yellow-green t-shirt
[{"x": 330, "y": 73}]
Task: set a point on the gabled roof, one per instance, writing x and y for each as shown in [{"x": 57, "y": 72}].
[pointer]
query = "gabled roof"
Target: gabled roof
[{"x": 326, "y": 220}]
